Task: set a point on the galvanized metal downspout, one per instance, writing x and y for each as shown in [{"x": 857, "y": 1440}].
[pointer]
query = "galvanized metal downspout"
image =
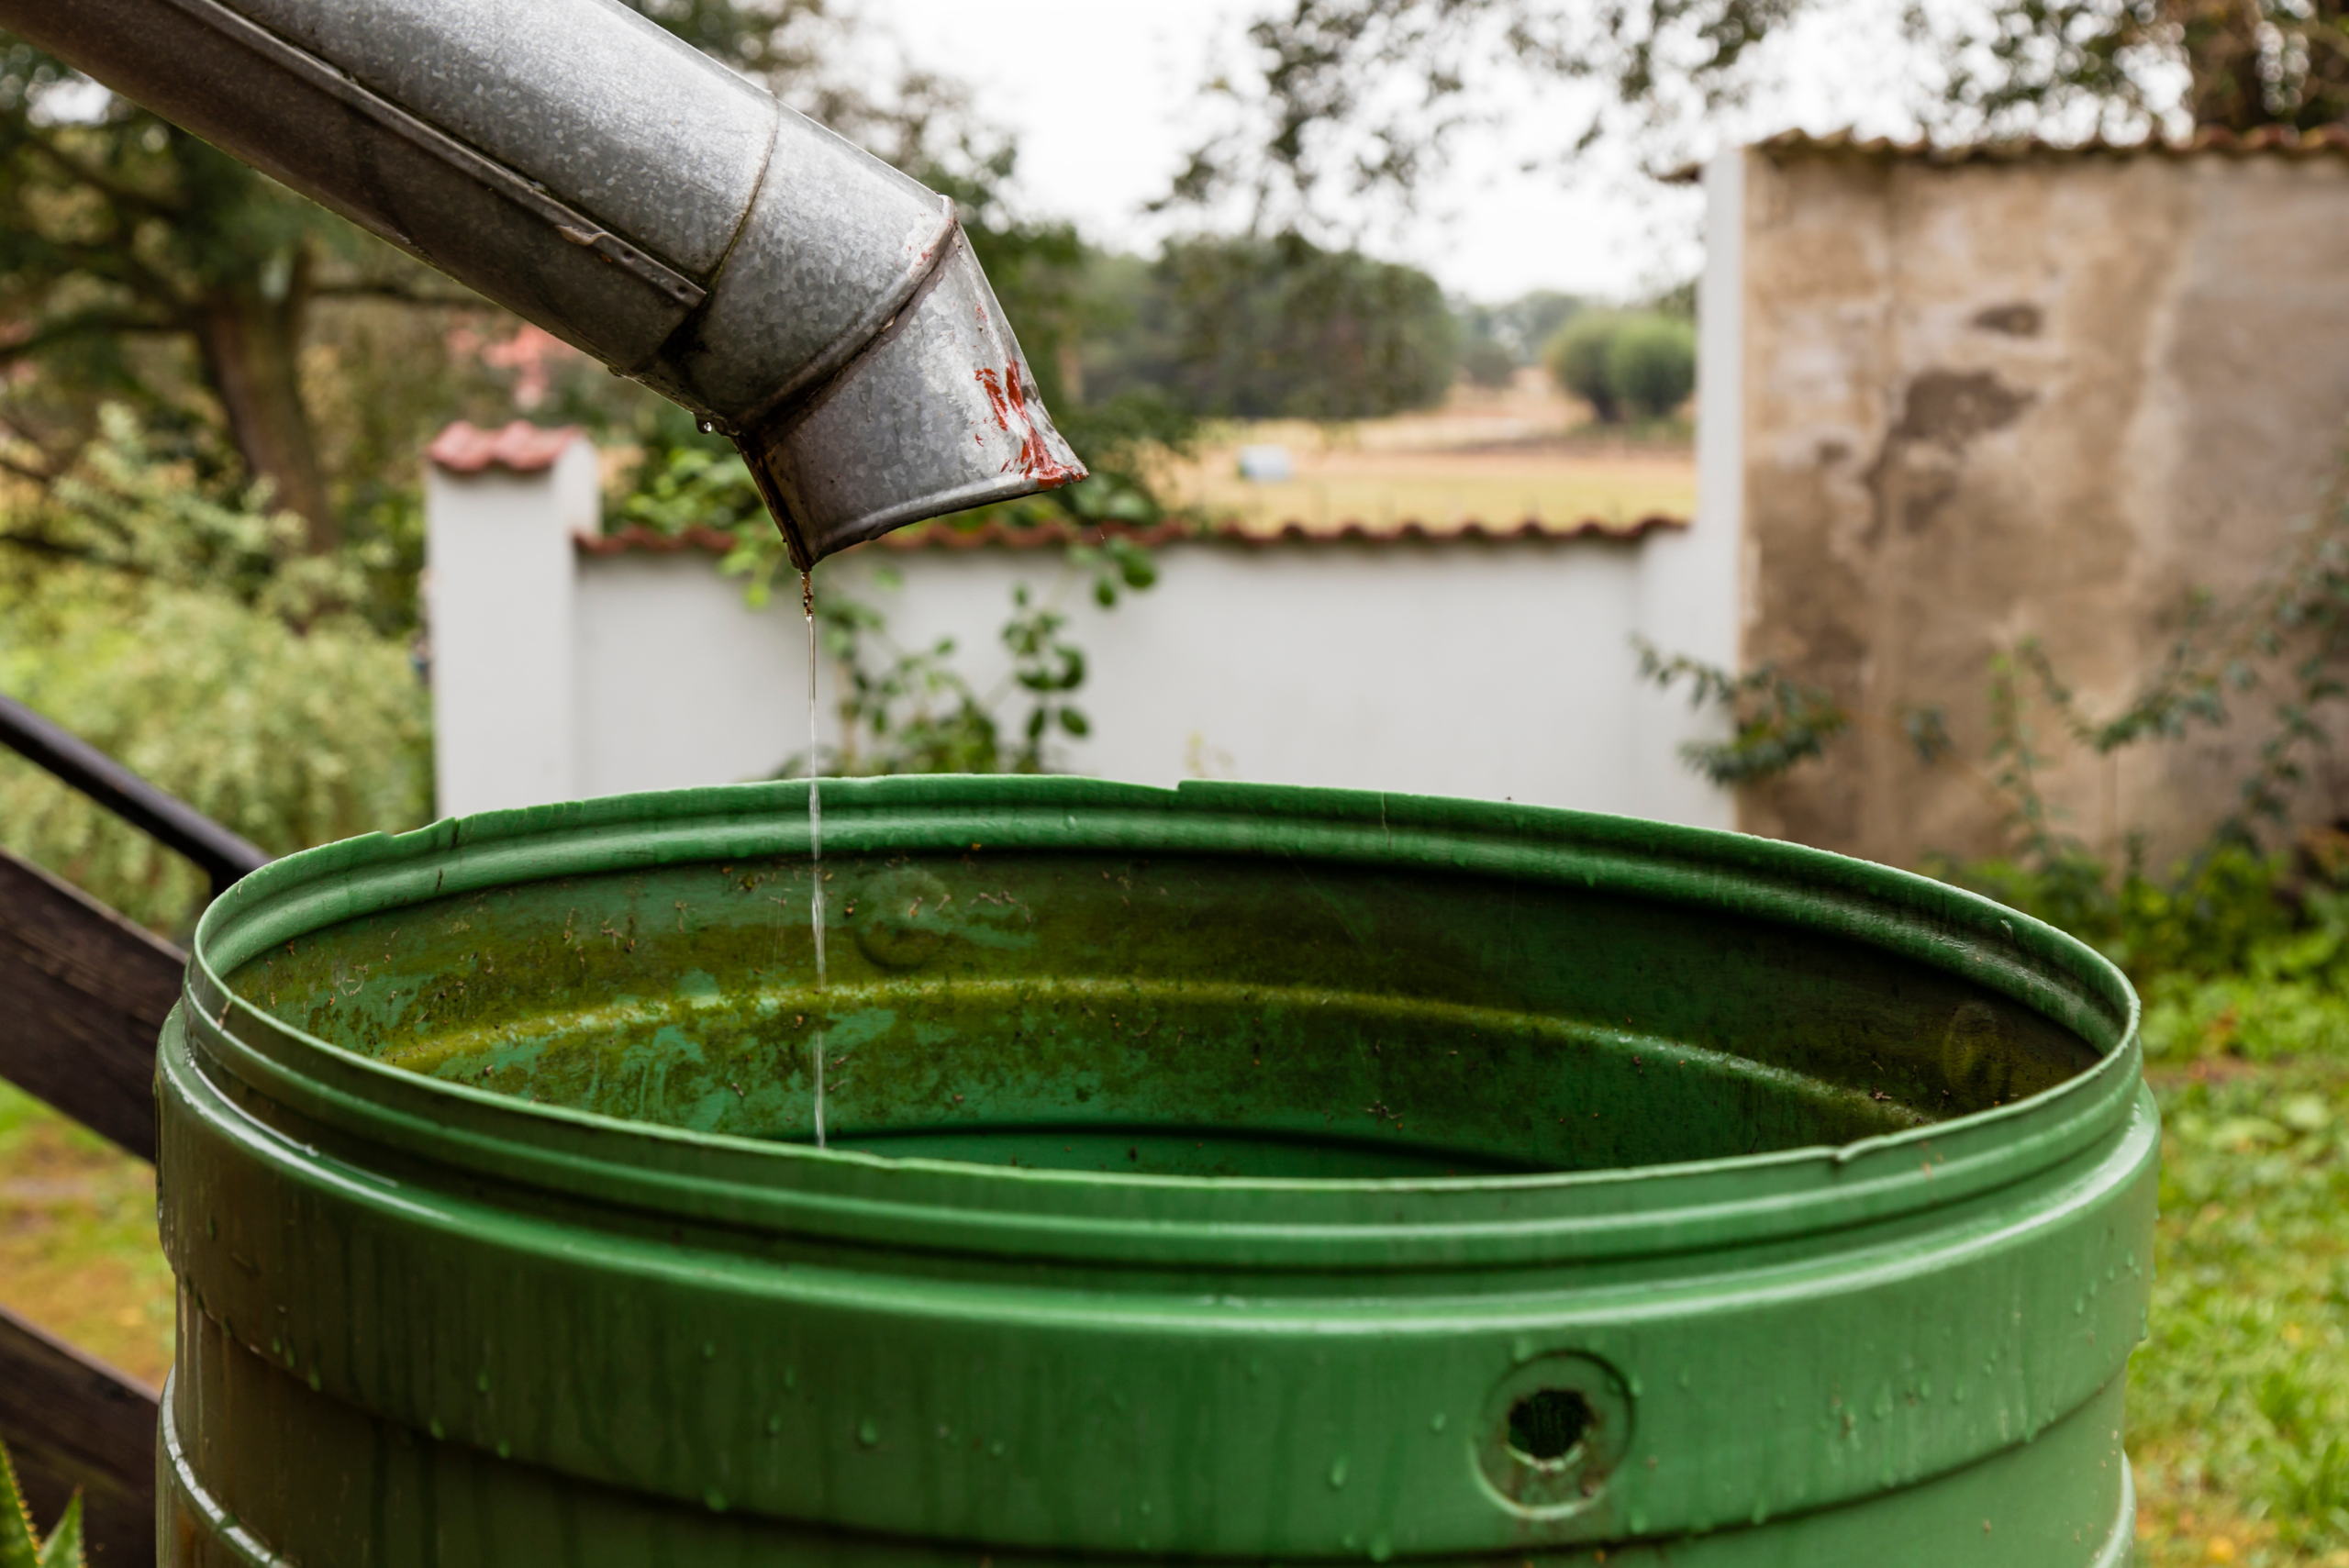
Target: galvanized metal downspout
[{"x": 590, "y": 172}]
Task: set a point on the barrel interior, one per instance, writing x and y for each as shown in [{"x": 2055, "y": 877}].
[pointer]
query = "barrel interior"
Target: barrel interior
[{"x": 1178, "y": 1015}]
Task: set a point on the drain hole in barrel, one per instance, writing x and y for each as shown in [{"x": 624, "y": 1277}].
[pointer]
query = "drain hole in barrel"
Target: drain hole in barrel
[{"x": 1544, "y": 1426}]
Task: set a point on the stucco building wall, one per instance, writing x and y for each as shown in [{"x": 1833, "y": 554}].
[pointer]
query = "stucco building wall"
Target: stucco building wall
[{"x": 2046, "y": 397}]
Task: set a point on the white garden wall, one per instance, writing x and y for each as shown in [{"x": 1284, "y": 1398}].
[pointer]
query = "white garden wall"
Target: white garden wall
[{"x": 1472, "y": 667}]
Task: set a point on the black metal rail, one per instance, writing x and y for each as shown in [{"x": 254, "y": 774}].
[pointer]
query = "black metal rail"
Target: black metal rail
[{"x": 222, "y": 855}]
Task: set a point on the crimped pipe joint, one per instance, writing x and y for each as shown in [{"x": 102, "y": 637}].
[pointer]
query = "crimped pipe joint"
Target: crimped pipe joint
[{"x": 593, "y": 173}]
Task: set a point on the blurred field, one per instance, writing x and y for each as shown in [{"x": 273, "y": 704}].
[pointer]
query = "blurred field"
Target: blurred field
[
  {"x": 78, "y": 1252},
  {"x": 1498, "y": 457}
]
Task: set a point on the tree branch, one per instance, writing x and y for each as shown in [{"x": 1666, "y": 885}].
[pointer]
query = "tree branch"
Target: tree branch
[
  {"x": 26, "y": 471},
  {"x": 74, "y": 169},
  {"x": 81, "y": 326}
]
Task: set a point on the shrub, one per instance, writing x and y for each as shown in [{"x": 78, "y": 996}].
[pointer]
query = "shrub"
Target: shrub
[
  {"x": 184, "y": 633},
  {"x": 1624, "y": 364},
  {"x": 1580, "y": 358},
  {"x": 1652, "y": 364},
  {"x": 288, "y": 738}
]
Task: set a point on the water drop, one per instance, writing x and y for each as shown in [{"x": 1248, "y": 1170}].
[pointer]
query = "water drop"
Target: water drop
[
  {"x": 775, "y": 1426},
  {"x": 1436, "y": 1425},
  {"x": 708, "y": 1351},
  {"x": 481, "y": 1382},
  {"x": 1338, "y": 1471},
  {"x": 708, "y": 426},
  {"x": 433, "y": 1427},
  {"x": 505, "y": 1449},
  {"x": 1382, "y": 1547},
  {"x": 868, "y": 1432},
  {"x": 716, "y": 1500}
]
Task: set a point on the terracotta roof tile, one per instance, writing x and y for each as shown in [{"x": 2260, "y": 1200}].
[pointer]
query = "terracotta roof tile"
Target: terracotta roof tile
[
  {"x": 996, "y": 534},
  {"x": 519, "y": 446},
  {"x": 2268, "y": 141}
]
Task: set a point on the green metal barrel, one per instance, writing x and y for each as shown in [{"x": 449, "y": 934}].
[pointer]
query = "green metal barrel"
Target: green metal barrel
[{"x": 1225, "y": 1174}]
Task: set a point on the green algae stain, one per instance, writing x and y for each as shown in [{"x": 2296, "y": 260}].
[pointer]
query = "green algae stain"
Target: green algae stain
[{"x": 1195, "y": 1015}]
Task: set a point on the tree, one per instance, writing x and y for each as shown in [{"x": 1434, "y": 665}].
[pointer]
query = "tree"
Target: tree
[
  {"x": 1498, "y": 339},
  {"x": 140, "y": 264},
  {"x": 1652, "y": 364},
  {"x": 121, "y": 235},
  {"x": 1361, "y": 95},
  {"x": 1280, "y": 327},
  {"x": 1580, "y": 358}
]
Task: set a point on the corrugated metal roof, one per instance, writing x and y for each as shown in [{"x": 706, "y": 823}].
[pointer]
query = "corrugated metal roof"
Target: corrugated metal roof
[
  {"x": 998, "y": 535},
  {"x": 519, "y": 446}
]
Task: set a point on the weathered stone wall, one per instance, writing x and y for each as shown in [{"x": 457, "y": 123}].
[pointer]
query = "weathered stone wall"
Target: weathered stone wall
[{"x": 2049, "y": 398}]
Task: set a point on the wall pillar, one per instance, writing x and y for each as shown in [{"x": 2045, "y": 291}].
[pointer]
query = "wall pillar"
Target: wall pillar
[
  {"x": 501, "y": 511},
  {"x": 1691, "y": 600}
]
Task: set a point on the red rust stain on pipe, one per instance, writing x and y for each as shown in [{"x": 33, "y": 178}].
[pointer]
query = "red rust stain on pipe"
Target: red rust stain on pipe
[{"x": 1035, "y": 460}]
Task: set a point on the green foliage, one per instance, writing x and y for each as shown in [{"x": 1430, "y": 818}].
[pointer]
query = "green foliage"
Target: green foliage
[
  {"x": 1652, "y": 365},
  {"x": 126, "y": 509},
  {"x": 912, "y": 711},
  {"x": 1281, "y": 328},
  {"x": 1496, "y": 340},
  {"x": 1625, "y": 364},
  {"x": 1580, "y": 356},
  {"x": 1334, "y": 100},
  {"x": 189, "y": 636},
  {"x": 19, "y": 1546},
  {"x": 1775, "y": 722}
]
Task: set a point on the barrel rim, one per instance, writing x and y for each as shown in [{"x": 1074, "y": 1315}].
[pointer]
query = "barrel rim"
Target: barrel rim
[{"x": 950, "y": 1205}]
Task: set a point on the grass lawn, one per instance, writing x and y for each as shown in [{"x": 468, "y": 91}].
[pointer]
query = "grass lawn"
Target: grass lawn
[
  {"x": 2238, "y": 1406},
  {"x": 78, "y": 1253}
]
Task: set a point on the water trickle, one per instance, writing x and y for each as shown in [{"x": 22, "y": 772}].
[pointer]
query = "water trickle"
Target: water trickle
[{"x": 815, "y": 852}]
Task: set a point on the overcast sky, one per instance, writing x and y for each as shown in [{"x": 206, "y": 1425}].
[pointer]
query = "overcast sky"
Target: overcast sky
[{"x": 1104, "y": 96}]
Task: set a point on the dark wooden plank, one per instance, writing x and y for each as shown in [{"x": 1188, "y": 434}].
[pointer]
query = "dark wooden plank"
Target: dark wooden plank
[
  {"x": 72, "y": 1423},
  {"x": 83, "y": 994}
]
